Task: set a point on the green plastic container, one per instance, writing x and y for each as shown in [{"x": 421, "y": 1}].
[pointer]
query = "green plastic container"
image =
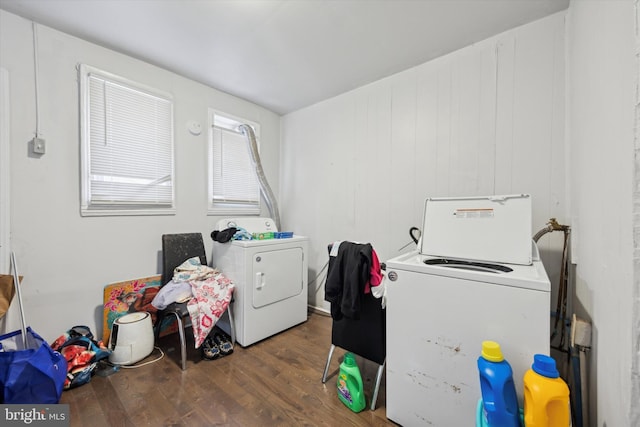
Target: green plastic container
[{"x": 350, "y": 390}]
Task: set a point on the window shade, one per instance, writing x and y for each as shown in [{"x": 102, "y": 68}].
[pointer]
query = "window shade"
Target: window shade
[
  {"x": 234, "y": 184},
  {"x": 130, "y": 147},
  {"x": 233, "y": 179}
]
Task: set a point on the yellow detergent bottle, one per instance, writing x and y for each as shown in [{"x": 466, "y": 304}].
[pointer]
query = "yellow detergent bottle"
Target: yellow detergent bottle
[
  {"x": 350, "y": 389},
  {"x": 546, "y": 395}
]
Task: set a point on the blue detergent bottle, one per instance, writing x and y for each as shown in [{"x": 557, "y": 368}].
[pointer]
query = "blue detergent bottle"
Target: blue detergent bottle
[{"x": 499, "y": 399}]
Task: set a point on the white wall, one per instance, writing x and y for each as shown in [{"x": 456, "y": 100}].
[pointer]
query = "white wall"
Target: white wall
[
  {"x": 5, "y": 202},
  {"x": 603, "y": 87},
  {"x": 67, "y": 259},
  {"x": 488, "y": 119}
]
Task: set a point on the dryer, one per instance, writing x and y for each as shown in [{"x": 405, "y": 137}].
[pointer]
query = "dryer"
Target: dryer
[{"x": 270, "y": 276}]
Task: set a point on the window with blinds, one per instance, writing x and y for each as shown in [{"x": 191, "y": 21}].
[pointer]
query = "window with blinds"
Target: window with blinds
[
  {"x": 126, "y": 147},
  {"x": 233, "y": 184}
]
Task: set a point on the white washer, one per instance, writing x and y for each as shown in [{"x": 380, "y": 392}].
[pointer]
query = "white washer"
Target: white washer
[
  {"x": 270, "y": 277},
  {"x": 439, "y": 314}
]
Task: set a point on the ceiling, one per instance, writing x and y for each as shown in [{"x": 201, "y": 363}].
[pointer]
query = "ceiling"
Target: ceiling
[{"x": 284, "y": 54}]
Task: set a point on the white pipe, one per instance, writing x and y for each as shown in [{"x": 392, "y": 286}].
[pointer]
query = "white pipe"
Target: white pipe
[
  {"x": 16, "y": 283},
  {"x": 584, "y": 389},
  {"x": 265, "y": 189}
]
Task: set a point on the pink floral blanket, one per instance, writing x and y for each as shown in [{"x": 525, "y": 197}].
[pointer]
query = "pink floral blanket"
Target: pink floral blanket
[{"x": 212, "y": 292}]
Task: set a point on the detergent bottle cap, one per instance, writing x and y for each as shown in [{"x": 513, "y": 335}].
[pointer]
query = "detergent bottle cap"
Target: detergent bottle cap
[
  {"x": 491, "y": 351},
  {"x": 349, "y": 359},
  {"x": 545, "y": 366}
]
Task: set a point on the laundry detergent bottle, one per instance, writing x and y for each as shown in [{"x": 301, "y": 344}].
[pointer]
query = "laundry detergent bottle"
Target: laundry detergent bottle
[
  {"x": 546, "y": 395},
  {"x": 499, "y": 399},
  {"x": 350, "y": 389}
]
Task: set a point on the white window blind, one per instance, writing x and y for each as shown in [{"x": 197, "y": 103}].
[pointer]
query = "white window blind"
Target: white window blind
[
  {"x": 127, "y": 143},
  {"x": 233, "y": 184}
]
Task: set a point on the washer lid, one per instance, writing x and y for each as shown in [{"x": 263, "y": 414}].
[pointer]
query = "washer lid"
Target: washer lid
[{"x": 484, "y": 228}]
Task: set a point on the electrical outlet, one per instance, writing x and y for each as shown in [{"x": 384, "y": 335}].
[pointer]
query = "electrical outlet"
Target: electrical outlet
[{"x": 38, "y": 145}]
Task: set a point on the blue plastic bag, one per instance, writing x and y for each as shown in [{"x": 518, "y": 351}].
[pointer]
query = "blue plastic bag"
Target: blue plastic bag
[{"x": 31, "y": 375}]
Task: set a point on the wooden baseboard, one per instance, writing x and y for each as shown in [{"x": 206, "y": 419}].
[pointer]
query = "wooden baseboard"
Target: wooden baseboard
[{"x": 319, "y": 310}]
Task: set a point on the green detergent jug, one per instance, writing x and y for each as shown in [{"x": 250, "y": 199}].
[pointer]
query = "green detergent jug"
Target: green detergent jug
[{"x": 350, "y": 390}]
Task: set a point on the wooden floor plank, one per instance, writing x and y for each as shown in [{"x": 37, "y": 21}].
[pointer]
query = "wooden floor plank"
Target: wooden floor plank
[{"x": 277, "y": 381}]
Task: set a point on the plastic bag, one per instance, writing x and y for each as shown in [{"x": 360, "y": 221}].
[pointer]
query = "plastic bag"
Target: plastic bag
[{"x": 35, "y": 374}]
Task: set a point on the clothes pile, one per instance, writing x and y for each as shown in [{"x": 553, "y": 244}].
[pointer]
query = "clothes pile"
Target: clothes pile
[
  {"x": 209, "y": 291},
  {"x": 354, "y": 270}
]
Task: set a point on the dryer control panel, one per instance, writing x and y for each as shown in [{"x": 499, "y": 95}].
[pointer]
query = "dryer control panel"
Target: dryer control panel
[{"x": 252, "y": 225}]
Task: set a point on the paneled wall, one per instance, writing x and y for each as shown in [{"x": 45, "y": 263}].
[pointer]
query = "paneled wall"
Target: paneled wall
[
  {"x": 604, "y": 77},
  {"x": 487, "y": 119}
]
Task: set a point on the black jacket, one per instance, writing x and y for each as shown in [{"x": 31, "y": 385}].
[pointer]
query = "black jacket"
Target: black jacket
[{"x": 349, "y": 272}]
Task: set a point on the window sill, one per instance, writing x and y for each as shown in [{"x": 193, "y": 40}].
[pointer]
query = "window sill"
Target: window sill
[
  {"x": 218, "y": 211},
  {"x": 127, "y": 212}
]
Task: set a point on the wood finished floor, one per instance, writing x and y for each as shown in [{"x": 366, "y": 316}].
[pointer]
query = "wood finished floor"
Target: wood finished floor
[{"x": 276, "y": 382}]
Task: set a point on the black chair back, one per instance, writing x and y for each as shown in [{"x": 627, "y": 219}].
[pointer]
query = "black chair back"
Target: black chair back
[{"x": 177, "y": 248}]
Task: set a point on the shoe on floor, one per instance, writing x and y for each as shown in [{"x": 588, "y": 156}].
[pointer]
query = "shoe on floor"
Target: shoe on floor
[
  {"x": 224, "y": 343},
  {"x": 210, "y": 350}
]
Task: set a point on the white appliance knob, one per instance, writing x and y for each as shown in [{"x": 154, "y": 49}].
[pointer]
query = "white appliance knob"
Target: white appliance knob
[
  {"x": 267, "y": 223},
  {"x": 231, "y": 224}
]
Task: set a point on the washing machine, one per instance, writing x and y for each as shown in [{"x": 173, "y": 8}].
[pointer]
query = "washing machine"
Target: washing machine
[
  {"x": 441, "y": 306},
  {"x": 270, "y": 277}
]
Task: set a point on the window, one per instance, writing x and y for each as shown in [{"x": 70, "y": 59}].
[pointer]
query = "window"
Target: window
[
  {"x": 126, "y": 147},
  {"x": 233, "y": 184}
]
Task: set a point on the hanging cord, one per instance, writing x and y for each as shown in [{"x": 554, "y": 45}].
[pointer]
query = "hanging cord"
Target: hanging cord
[
  {"x": 414, "y": 239},
  {"x": 318, "y": 276},
  {"x": 36, "y": 79}
]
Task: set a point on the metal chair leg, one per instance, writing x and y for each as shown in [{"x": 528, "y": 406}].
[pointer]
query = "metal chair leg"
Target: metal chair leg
[
  {"x": 377, "y": 386},
  {"x": 326, "y": 368},
  {"x": 232, "y": 323},
  {"x": 183, "y": 345},
  {"x": 156, "y": 329}
]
